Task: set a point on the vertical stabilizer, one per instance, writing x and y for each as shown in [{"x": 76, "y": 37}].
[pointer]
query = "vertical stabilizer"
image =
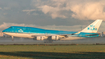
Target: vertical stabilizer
[{"x": 93, "y": 28}]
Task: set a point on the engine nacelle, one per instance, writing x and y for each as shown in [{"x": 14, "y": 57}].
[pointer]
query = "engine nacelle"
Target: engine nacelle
[
  {"x": 39, "y": 38},
  {"x": 55, "y": 37}
]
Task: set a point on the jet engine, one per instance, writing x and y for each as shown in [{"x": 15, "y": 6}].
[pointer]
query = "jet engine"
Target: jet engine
[
  {"x": 53, "y": 37},
  {"x": 39, "y": 38}
]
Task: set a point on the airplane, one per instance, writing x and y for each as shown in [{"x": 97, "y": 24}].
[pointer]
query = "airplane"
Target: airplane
[{"x": 43, "y": 34}]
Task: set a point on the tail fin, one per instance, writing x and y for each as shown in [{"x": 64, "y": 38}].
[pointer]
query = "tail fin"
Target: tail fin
[{"x": 93, "y": 28}]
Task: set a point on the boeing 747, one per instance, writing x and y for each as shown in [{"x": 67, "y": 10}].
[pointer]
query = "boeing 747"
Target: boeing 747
[{"x": 43, "y": 34}]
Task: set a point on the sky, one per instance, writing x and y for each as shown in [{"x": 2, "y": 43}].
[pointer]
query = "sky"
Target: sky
[{"x": 70, "y": 15}]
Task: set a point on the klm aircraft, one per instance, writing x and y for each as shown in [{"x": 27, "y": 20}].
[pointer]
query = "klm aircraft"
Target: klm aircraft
[{"x": 43, "y": 34}]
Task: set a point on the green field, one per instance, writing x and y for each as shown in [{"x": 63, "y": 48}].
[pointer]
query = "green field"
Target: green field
[{"x": 52, "y": 52}]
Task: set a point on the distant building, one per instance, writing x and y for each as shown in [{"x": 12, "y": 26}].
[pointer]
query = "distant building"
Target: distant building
[
  {"x": 1, "y": 34},
  {"x": 6, "y": 35},
  {"x": 103, "y": 34}
]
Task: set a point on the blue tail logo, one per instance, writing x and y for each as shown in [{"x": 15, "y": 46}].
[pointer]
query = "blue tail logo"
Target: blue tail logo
[{"x": 92, "y": 27}]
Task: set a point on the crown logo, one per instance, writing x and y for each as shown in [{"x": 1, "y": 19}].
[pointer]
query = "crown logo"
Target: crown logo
[
  {"x": 20, "y": 30},
  {"x": 91, "y": 27}
]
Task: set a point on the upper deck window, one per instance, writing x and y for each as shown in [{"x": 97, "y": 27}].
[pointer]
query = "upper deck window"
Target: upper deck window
[
  {"x": 18, "y": 28},
  {"x": 28, "y": 29},
  {"x": 10, "y": 27}
]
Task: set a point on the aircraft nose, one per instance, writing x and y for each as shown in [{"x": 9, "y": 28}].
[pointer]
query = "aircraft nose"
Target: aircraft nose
[{"x": 4, "y": 30}]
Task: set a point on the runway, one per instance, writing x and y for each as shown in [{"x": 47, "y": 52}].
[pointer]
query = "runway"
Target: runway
[{"x": 100, "y": 40}]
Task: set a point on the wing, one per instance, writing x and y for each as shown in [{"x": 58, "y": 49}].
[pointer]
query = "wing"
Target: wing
[{"x": 60, "y": 34}]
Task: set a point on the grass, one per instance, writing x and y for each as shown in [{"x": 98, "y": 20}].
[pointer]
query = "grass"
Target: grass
[{"x": 52, "y": 52}]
